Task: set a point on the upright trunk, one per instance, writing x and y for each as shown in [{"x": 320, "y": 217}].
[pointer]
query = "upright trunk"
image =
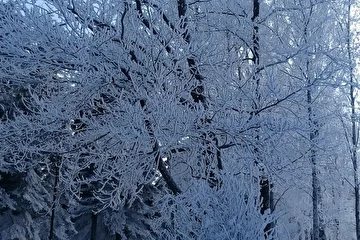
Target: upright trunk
[
  {"x": 355, "y": 168},
  {"x": 55, "y": 162},
  {"x": 117, "y": 236},
  {"x": 318, "y": 228},
  {"x": 335, "y": 196},
  {"x": 93, "y": 231},
  {"x": 315, "y": 180},
  {"x": 318, "y": 222},
  {"x": 312, "y": 135},
  {"x": 354, "y": 143},
  {"x": 266, "y": 194}
]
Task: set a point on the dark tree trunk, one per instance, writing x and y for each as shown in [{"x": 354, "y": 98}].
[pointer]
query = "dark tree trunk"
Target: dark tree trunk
[
  {"x": 118, "y": 236},
  {"x": 354, "y": 128},
  {"x": 318, "y": 231},
  {"x": 266, "y": 194},
  {"x": 55, "y": 162},
  {"x": 93, "y": 231}
]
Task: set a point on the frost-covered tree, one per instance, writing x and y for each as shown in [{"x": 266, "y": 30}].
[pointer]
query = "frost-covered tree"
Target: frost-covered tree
[
  {"x": 168, "y": 119},
  {"x": 350, "y": 117},
  {"x": 29, "y": 172},
  {"x": 114, "y": 105}
]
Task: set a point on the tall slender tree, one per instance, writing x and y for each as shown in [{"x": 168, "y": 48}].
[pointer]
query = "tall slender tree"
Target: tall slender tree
[{"x": 352, "y": 136}]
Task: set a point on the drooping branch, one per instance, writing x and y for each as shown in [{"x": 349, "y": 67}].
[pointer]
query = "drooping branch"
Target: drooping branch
[
  {"x": 148, "y": 26},
  {"x": 170, "y": 182}
]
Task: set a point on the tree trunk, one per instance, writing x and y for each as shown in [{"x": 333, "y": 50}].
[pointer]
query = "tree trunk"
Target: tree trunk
[
  {"x": 315, "y": 180},
  {"x": 266, "y": 194},
  {"x": 55, "y": 161},
  {"x": 117, "y": 236},
  {"x": 318, "y": 231},
  {"x": 318, "y": 224},
  {"x": 354, "y": 128},
  {"x": 93, "y": 231}
]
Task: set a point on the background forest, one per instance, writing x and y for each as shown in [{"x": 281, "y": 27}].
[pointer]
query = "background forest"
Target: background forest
[{"x": 179, "y": 119}]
